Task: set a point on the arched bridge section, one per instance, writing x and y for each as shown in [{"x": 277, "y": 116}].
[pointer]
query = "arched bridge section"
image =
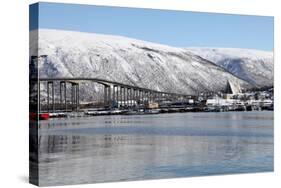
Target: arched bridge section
[{"x": 115, "y": 95}]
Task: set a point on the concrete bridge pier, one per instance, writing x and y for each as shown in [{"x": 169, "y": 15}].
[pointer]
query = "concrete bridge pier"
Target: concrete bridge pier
[
  {"x": 114, "y": 99},
  {"x": 156, "y": 97},
  {"x": 126, "y": 94},
  {"x": 140, "y": 97},
  {"x": 153, "y": 97},
  {"x": 159, "y": 97},
  {"x": 50, "y": 83},
  {"x": 130, "y": 97},
  {"x": 106, "y": 95},
  {"x": 117, "y": 96},
  {"x": 109, "y": 101},
  {"x": 137, "y": 97},
  {"x": 170, "y": 97},
  {"x": 127, "y": 97},
  {"x": 63, "y": 96},
  {"x": 165, "y": 96},
  {"x": 122, "y": 96},
  {"x": 75, "y": 96},
  {"x": 144, "y": 96},
  {"x": 134, "y": 98}
]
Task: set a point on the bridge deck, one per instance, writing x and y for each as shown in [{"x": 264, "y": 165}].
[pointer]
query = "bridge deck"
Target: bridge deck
[{"x": 108, "y": 82}]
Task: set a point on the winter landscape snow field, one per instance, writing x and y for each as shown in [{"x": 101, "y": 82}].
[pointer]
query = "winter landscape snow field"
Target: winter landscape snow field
[{"x": 146, "y": 64}]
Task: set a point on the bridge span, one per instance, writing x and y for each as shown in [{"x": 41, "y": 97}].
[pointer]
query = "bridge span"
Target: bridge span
[{"x": 115, "y": 94}]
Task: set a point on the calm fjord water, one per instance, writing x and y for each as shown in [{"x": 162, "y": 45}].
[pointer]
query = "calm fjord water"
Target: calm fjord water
[{"x": 123, "y": 148}]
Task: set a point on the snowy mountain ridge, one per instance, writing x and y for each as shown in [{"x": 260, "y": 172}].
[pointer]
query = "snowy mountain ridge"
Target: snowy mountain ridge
[
  {"x": 255, "y": 66},
  {"x": 129, "y": 61}
]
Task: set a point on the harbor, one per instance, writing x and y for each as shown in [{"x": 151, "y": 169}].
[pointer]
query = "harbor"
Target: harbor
[
  {"x": 211, "y": 102},
  {"x": 71, "y": 97}
]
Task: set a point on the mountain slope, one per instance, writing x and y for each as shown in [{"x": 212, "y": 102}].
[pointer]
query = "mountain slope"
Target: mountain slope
[
  {"x": 129, "y": 61},
  {"x": 252, "y": 65}
]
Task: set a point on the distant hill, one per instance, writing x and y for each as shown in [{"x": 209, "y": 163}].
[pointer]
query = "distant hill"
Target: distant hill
[
  {"x": 149, "y": 65},
  {"x": 252, "y": 65}
]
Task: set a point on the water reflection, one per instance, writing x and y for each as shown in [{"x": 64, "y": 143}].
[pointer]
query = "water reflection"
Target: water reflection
[{"x": 119, "y": 148}]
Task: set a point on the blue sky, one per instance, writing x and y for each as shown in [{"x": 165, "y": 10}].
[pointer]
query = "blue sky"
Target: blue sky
[{"x": 175, "y": 28}]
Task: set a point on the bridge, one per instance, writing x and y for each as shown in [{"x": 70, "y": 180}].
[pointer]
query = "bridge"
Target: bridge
[{"x": 115, "y": 94}]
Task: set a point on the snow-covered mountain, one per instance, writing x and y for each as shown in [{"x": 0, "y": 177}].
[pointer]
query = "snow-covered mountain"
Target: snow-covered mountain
[
  {"x": 129, "y": 61},
  {"x": 255, "y": 66}
]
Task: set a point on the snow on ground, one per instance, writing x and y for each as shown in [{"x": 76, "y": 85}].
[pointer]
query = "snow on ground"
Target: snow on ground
[{"x": 139, "y": 63}]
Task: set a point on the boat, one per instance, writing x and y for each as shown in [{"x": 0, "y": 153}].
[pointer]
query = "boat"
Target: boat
[
  {"x": 152, "y": 111},
  {"x": 44, "y": 116},
  {"x": 131, "y": 113},
  {"x": 40, "y": 116}
]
